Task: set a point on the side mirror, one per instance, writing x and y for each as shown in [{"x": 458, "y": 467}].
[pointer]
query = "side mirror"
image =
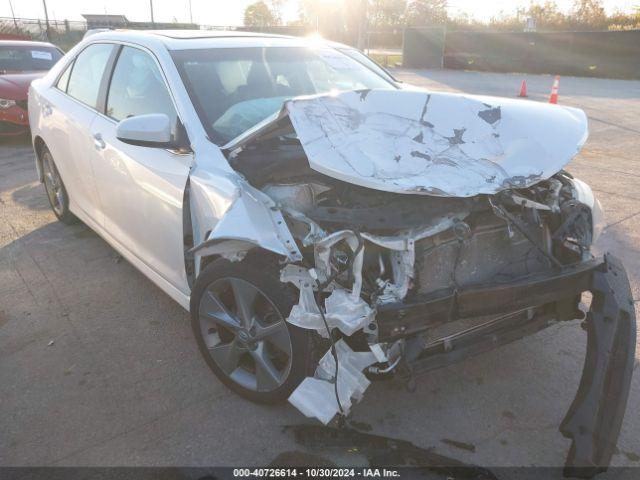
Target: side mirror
[{"x": 151, "y": 130}]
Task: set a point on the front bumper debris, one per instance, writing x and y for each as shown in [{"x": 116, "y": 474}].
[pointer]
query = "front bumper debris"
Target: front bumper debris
[
  {"x": 594, "y": 419},
  {"x": 317, "y": 396},
  {"x": 403, "y": 319}
]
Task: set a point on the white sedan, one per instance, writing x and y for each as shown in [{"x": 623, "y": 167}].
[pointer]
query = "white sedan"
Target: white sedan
[{"x": 325, "y": 226}]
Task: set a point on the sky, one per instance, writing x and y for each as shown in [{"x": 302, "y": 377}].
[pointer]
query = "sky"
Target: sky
[{"x": 230, "y": 12}]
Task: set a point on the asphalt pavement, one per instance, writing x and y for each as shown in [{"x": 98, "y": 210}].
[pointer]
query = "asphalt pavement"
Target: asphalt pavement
[{"x": 99, "y": 367}]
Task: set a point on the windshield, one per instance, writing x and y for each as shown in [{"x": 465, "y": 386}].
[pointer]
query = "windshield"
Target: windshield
[
  {"x": 233, "y": 89},
  {"x": 15, "y": 58}
]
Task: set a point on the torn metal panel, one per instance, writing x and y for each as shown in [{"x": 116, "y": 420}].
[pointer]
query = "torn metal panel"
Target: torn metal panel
[
  {"x": 322, "y": 253},
  {"x": 305, "y": 314},
  {"x": 294, "y": 199},
  {"x": 444, "y": 144},
  {"x": 343, "y": 310},
  {"x": 251, "y": 220},
  {"x": 406, "y": 240},
  {"x": 347, "y": 312},
  {"x": 315, "y": 397},
  {"x": 403, "y": 256},
  {"x": 402, "y": 263},
  {"x": 299, "y": 196},
  {"x": 314, "y": 232}
]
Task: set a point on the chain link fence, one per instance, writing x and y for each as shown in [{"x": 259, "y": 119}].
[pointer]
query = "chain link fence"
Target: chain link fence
[
  {"x": 613, "y": 54},
  {"x": 383, "y": 44},
  {"x": 66, "y": 33},
  {"x": 63, "y": 33}
]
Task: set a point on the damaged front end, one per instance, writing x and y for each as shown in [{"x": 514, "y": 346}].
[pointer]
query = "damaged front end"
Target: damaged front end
[{"x": 420, "y": 229}]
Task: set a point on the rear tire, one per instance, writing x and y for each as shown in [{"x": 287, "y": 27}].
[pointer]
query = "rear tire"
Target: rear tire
[
  {"x": 225, "y": 332},
  {"x": 55, "y": 189}
]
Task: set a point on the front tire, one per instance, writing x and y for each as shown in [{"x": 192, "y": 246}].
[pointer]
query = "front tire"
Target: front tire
[
  {"x": 238, "y": 312},
  {"x": 56, "y": 191}
]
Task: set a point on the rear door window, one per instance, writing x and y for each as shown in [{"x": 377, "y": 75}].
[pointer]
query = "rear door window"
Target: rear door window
[{"x": 87, "y": 72}]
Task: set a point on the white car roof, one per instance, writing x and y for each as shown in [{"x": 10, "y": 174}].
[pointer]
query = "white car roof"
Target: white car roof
[{"x": 193, "y": 39}]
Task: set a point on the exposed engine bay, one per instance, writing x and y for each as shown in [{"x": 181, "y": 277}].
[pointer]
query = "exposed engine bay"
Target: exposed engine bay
[
  {"x": 369, "y": 253},
  {"x": 403, "y": 268}
]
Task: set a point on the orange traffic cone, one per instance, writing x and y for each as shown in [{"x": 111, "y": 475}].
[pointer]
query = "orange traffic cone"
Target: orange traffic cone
[
  {"x": 553, "y": 98},
  {"x": 523, "y": 89}
]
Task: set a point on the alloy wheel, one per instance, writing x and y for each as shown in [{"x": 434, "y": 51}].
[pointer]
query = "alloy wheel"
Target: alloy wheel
[
  {"x": 53, "y": 184},
  {"x": 245, "y": 334}
]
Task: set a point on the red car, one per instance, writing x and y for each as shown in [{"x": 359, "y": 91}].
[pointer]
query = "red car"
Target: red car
[{"x": 21, "y": 62}]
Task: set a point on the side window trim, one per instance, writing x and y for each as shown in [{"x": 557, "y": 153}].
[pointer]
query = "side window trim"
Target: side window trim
[
  {"x": 69, "y": 67},
  {"x": 105, "y": 82},
  {"x": 70, "y": 70}
]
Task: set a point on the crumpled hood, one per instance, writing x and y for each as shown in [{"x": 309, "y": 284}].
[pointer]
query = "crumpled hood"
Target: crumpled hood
[
  {"x": 15, "y": 86},
  {"x": 444, "y": 144}
]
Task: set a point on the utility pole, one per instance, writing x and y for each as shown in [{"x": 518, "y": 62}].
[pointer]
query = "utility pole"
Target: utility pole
[
  {"x": 15, "y": 22},
  {"x": 46, "y": 18},
  {"x": 151, "y": 7},
  {"x": 190, "y": 13}
]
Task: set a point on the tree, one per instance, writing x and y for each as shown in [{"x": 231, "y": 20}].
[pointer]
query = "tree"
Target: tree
[
  {"x": 328, "y": 17},
  {"x": 276, "y": 10},
  {"x": 589, "y": 15},
  {"x": 356, "y": 22},
  {"x": 625, "y": 21},
  {"x": 387, "y": 13},
  {"x": 547, "y": 15},
  {"x": 259, "y": 15},
  {"x": 427, "y": 12}
]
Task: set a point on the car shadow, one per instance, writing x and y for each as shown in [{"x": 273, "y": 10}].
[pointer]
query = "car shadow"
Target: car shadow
[
  {"x": 31, "y": 196},
  {"x": 18, "y": 140}
]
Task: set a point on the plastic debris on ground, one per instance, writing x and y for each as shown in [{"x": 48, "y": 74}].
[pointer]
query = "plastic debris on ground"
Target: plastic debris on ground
[{"x": 315, "y": 397}]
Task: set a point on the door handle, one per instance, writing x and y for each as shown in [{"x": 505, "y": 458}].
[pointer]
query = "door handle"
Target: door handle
[
  {"x": 98, "y": 142},
  {"x": 47, "y": 110}
]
